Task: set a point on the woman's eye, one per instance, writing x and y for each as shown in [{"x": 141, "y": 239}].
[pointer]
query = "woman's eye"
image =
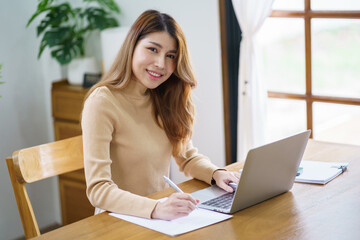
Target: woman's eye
[
  {"x": 171, "y": 56},
  {"x": 153, "y": 49}
]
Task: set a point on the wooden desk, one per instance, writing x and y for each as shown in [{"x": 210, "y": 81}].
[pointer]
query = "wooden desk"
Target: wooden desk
[{"x": 308, "y": 211}]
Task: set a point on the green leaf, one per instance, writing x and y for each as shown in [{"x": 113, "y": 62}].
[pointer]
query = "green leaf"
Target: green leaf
[
  {"x": 57, "y": 16},
  {"x": 68, "y": 50},
  {"x": 63, "y": 27},
  {"x": 43, "y": 6},
  {"x": 34, "y": 16},
  {"x": 79, "y": 43},
  {"x": 54, "y": 37},
  {"x": 98, "y": 19},
  {"x": 109, "y": 4},
  {"x": 62, "y": 55},
  {"x": 42, "y": 47},
  {"x": 58, "y": 35}
]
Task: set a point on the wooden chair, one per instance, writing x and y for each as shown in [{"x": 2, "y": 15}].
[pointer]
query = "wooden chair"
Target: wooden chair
[{"x": 36, "y": 163}]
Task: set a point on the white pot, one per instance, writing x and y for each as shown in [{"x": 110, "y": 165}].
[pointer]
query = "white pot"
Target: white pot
[{"x": 78, "y": 67}]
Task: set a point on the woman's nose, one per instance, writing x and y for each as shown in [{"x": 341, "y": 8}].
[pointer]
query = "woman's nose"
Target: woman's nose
[{"x": 160, "y": 62}]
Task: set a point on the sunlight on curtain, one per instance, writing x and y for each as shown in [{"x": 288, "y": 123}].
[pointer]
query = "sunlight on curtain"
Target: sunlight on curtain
[{"x": 252, "y": 92}]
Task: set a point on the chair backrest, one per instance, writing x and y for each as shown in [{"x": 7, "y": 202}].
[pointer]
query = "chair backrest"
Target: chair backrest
[{"x": 36, "y": 163}]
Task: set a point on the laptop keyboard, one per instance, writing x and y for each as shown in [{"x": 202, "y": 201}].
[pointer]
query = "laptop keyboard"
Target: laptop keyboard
[{"x": 223, "y": 201}]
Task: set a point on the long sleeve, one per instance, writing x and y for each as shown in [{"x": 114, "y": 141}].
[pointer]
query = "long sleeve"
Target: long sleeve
[
  {"x": 98, "y": 120},
  {"x": 196, "y": 165}
]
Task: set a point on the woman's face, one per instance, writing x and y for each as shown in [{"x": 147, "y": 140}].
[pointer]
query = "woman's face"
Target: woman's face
[{"x": 154, "y": 59}]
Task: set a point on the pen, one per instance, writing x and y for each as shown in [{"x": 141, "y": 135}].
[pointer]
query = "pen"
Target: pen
[
  {"x": 173, "y": 185},
  {"x": 343, "y": 168},
  {"x": 299, "y": 172}
]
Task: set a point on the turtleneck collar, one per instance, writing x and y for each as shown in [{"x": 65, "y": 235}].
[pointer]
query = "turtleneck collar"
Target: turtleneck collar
[{"x": 135, "y": 89}]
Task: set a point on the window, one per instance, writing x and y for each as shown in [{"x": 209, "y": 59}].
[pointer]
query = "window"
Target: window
[{"x": 311, "y": 52}]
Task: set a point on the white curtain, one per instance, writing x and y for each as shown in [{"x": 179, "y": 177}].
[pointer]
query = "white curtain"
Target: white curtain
[{"x": 251, "y": 14}]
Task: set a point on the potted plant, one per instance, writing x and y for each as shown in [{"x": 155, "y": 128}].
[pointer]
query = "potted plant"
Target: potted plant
[{"x": 64, "y": 29}]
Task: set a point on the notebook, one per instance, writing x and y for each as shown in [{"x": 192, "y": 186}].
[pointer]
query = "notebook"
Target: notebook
[
  {"x": 269, "y": 170},
  {"x": 320, "y": 172}
]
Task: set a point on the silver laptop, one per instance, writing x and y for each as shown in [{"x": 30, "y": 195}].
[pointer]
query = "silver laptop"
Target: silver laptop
[{"x": 269, "y": 170}]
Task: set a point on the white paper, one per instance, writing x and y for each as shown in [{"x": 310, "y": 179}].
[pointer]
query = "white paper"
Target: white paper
[
  {"x": 198, "y": 218},
  {"x": 319, "y": 172}
]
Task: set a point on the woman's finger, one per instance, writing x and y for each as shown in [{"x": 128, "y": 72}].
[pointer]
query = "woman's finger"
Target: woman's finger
[
  {"x": 237, "y": 175},
  {"x": 226, "y": 187},
  {"x": 235, "y": 178},
  {"x": 185, "y": 204},
  {"x": 187, "y": 197}
]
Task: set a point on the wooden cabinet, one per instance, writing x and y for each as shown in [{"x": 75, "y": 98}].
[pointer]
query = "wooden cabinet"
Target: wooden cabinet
[{"x": 67, "y": 103}]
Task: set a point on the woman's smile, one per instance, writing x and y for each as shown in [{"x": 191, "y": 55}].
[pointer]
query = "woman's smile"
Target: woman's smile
[{"x": 154, "y": 75}]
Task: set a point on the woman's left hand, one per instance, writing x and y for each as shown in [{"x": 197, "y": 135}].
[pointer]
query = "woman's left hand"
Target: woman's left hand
[{"x": 223, "y": 178}]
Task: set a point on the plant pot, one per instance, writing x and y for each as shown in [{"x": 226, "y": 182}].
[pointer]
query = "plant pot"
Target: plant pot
[{"x": 78, "y": 67}]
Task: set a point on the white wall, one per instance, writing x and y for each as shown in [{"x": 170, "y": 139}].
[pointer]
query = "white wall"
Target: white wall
[
  {"x": 25, "y": 114},
  {"x": 25, "y": 106}
]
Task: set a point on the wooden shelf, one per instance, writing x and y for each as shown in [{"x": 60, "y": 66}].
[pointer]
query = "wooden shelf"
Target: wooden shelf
[{"x": 67, "y": 104}]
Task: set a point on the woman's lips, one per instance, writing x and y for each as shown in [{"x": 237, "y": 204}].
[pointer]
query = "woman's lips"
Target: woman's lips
[{"x": 154, "y": 75}]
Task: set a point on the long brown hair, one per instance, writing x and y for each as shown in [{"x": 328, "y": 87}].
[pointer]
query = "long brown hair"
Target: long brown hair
[{"x": 172, "y": 103}]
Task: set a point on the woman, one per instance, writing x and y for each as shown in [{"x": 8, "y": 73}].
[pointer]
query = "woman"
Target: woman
[{"x": 136, "y": 117}]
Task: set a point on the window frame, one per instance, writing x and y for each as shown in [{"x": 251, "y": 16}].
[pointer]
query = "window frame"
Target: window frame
[
  {"x": 308, "y": 97},
  {"x": 307, "y": 14}
]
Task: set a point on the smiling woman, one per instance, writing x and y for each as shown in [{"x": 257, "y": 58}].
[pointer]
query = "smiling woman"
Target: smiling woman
[
  {"x": 128, "y": 68},
  {"x": 139, "y": 115}
]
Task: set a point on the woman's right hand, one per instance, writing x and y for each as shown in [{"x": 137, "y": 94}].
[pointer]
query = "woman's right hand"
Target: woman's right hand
[{"x": 177, "y": 205}]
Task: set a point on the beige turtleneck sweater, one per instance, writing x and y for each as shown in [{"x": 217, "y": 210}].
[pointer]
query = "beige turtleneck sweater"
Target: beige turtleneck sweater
[{"x": 126, "y": 154}]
